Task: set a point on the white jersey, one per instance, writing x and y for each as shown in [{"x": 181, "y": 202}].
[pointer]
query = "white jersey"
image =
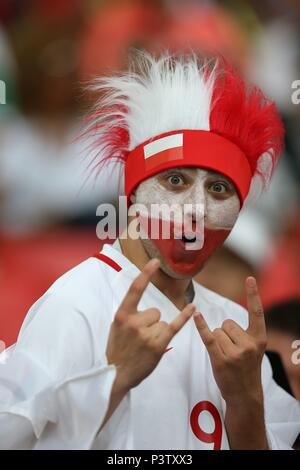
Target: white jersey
[{"x": 55, "y": 383}]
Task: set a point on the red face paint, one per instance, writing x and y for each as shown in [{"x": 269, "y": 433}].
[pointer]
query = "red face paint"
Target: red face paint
[{"x": 174, "y": 251}]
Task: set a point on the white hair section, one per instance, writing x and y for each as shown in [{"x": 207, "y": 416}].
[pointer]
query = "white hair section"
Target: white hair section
[
  {"x": 162, "y": 95},
  {"x": 265, "y": 166},
  {"x": 261, "y": 179}
]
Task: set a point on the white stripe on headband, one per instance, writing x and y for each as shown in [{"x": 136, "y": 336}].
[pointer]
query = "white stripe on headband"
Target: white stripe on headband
[{"x": 165, "y": 143}]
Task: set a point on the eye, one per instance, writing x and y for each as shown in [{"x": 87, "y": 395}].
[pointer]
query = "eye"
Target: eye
[
  {"x": 176, "y": 180},
  {"x": 218, "y": 187}
]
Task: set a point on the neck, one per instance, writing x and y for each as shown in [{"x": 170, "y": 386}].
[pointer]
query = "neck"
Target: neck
[{"x": 174, "y": 289}]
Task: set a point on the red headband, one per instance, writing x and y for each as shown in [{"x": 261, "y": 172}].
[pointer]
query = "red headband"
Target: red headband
[{"x": 198, "y": 148}]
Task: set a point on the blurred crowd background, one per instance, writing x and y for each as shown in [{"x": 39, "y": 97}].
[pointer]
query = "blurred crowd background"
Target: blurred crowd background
[{"x": 49, "y": 51}]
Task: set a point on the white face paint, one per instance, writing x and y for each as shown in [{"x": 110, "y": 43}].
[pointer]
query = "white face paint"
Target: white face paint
[
  {"x": 210, "y": 196},
  {"x": 185, "y": 185}
]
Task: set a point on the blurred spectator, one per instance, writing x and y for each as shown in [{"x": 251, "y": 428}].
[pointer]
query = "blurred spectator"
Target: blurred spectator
[
  {"x": 113, "y": 29},
  {"x": 283, "y": 326},
  {"x": 205, "y": 27},
  {"x": 7, "y": 75},
  {"x": 29, "y": 265},
  {"x": 280, "y": 276},
  {"x": 44, "y": 177}
]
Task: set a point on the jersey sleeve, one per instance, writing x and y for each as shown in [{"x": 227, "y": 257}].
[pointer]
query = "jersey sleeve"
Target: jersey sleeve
[
  {"x": 282, "y": 412},
  {"x": 54, "y": 392}
]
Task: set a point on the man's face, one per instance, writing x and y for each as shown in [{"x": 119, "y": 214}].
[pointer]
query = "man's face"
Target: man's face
[{"x": 204, "y": 200}]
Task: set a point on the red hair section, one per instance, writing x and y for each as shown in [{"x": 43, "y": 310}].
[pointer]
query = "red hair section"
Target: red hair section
[
  {"x": 112, "y": 141},
  {"x": 108, "y": 140},
  {"x": 245, "y": 116}
]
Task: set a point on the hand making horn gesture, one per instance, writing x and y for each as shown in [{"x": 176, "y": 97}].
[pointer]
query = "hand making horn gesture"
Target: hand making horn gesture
[
  {"x": 138, "y": 339},
  {"x": 236, "y": 354}
]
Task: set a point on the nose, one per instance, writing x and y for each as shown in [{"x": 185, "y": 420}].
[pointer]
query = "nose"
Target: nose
[
  {"x": 195, "y": 204},
  {"x": 194, "y": 215}
]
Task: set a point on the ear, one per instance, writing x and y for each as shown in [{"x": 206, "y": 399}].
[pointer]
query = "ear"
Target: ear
[{"x": 132, "y": 198}]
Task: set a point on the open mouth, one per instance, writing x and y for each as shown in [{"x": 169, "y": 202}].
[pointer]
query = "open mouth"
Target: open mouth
[{"x": 186, "y": 239}]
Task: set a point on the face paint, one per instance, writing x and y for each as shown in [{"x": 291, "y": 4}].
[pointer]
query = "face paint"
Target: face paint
[
  {"x": 176, "y": 253},
  {"x": 211, "y": 213}
]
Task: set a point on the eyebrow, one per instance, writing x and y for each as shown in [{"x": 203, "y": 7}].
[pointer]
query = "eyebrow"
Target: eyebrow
[
  {"x": 218, "y": 175},
  {"x": 179, "y": 169}
]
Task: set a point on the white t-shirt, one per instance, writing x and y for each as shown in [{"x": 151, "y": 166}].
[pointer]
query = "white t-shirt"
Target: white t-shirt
[{"x": 55, "y": 383}]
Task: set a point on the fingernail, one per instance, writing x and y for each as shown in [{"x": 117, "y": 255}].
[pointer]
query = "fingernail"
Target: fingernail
[
  {"x": 198, "y": 314},
  {"x": 155, "y": 262},
  {"x": 251, "y": 281}
]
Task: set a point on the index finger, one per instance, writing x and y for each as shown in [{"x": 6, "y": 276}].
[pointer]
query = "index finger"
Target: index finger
[
  {"x": 130, "y": 302},
  {"x": 181, "y": 319},
  {"x": 257, "y": 324},
  {"x": 207, "y": 337}
]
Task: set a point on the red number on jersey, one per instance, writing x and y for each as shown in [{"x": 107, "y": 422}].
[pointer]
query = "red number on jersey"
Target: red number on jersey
[{"x": 216, "y": 436}]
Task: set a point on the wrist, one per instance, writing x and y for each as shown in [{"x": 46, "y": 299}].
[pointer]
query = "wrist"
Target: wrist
[
  {"x": 245, "y": 409},
  {"x": 118, "y": 392},
  {"x": 250, "y": 398},
  {"x": 245, "y": 422},
  {"x": 121, "y": 384}
]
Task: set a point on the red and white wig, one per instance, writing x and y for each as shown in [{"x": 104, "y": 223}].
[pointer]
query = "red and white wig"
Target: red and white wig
[{"x": 184, "y": 111}]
